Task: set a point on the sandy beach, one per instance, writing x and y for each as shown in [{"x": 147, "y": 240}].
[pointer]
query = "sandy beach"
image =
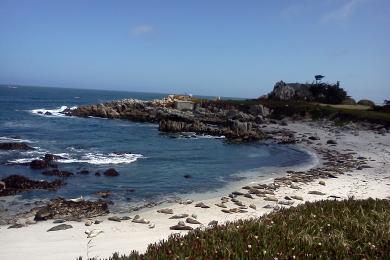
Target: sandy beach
[{"x": 34, "y": 242}]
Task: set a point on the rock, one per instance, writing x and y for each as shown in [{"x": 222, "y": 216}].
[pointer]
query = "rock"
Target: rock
[
  {"x": 180, "y": 226},
  {"x": 39, "y": 164},
  {"x": 321, "y": 183},
  {"x": 295, "y": 187},
  {"x": 103, "y": 194},
  {"x": 15, "y": 146},
  {"x": 58, "y": 221},
  {"x": 221, "y": 205},
  {"x": 201, "y": 205},
  {"x": 114, "y": 218},
  {"x": 187, "y": 176},
  {"x": 97, "y": 174},
  {"x": 52, "y": 157},
  {"x": 65, "y": 209},
  {"x": 252, "y": 206},
  {"x": 179, "y": 216},
  {"x": 271, "y": 198},
  {"x": 314, "y": 192},
  {"x": 194, "y": 215},
  {"x": 111, "y": 172},
  {"x": 192, "y": 221},
  {"x": 295, "y": 197},
  {"x": 286, "y": 202},
  {"x": 83, "y": 172},
  {"x": 125, "y": 218},
  {"x": 331, "y": 142},
  {"x": 16, "y": 183},
  {"x": 30, "y": 222},
  {"x": 237, "y": 193},
  {"x": 151, "y": 225},
  {"x": 213, "y": 223},
  {"x": 98, "y": 221},
  {"x": 366, "y": 102},
  {"x": 60, "y": 227},
  {"x": 314, "y": 138},
  {"x": 247, "y": 195},
  {"x": 268, "y": 206},
  {"x": 16, "y": 226},
  {"x": 58, "y": 173},
  {"x": 165, "y": 211},
  {"x": 88, "y": 223}
]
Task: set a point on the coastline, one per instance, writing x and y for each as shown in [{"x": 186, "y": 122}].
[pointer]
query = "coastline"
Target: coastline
[{"x": 122, "y": 237}]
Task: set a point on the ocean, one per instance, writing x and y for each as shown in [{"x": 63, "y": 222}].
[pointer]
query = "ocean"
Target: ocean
[{"x": 152, "y": 165}]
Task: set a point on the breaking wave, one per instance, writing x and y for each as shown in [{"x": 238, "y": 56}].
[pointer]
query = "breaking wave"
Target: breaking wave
[{"x": 52, "y": 112}]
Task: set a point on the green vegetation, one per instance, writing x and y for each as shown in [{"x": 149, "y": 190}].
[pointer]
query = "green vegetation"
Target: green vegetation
[{"x": 350, "y": 229}]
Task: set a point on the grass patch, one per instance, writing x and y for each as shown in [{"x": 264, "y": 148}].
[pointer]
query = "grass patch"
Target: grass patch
[{"x": 350, "y": 229}]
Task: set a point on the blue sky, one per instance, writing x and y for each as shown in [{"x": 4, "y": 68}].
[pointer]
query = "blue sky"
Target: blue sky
[{"x": 224, "y": 48}]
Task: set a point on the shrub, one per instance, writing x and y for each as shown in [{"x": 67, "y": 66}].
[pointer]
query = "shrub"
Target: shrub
[
  {"x": 350, "y": 229},
  {"x": 366, "y": 102}
]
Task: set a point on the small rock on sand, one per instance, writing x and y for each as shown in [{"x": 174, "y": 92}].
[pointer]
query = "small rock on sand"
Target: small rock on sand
[
  {"x": 315, "y": 192},
  {"x": 165, "y": 211},
  {"x": 88, "y": 223},
  {"x": 213, "y": 223},
  {"x": 16, "y": 226},
  {"x": 178, "y": 216},
  {"x": 192, "y": 221},
  {"x": 114, "y": 218},
  {"x": 271, "y": 198},
  {"x": 253, "y": 206},
  {"x": 321, "y": 183},
  {"x": 296, "y": 197},
  {"x": 60, "y": 227}
]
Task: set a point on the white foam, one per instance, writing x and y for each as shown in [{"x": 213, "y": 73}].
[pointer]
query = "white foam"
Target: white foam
[
  {"x": 90, "y": 158},
  {"x": 99, "y": 158},
  {"x": 53, "y": 112},
  {"x": 4, "y": 139}
]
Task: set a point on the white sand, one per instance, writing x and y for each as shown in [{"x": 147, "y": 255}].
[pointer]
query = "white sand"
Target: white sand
[{"x": 33, "y": 242}]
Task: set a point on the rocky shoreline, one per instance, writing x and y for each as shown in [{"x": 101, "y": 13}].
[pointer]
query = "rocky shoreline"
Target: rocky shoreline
[{"x": 202, "y": 118}]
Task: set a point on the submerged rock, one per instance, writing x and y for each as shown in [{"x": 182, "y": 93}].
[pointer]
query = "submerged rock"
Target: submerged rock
[
  {"x": 111, "y": 172},
  {"x": 15, "y": 146},
  {"x": 16, "y": 183},
  {"x": 58, "y": 173}
]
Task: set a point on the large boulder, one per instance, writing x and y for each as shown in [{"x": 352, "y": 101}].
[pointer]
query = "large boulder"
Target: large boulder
[
  {"x": 111, "y": 172},
  {"x": 39, "y": 164},
  {"x": 349, "y": 101}
]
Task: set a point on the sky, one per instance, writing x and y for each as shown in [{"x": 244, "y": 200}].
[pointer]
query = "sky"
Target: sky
[{"x": 216, "y": 48}]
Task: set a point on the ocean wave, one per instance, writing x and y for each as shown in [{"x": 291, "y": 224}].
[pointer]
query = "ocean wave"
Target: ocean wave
[
  {"x": 90, "y": 158},
  {"x": 5, "y": 139},
  {"x": 100, "y": 159},
  {"x": 52, "y": 112}
]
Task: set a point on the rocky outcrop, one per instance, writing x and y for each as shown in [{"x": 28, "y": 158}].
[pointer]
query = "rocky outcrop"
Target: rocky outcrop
[
  {"x": 291, "y": 91},
  {"x": 15, "y": 184},
  {"x": 15, "y": 146},
  {"x": 61, "y": 208},
  {"x": 205, "y": 118}
]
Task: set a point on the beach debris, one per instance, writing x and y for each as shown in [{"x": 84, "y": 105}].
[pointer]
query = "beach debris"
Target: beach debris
[
  {"x": 151, "y": 225},
  {"x": 114, "y": 218},
  {"x": 93, "y": 233},
  {"x": 213, "y": 223},
  {"x": 60, "y": 227},
  {"x": 321, "y": 183},
  {"x": 192, "y": 221},
  {"x": 271, "y": 198},
  {"x": 252, "y": 206},
  {"x": 138, "y": 219},
  {"x": 165, "y": 211},
  {"x": 178, "y": 216},
  {"x": 201, "y": 205},
  {"x": 315, "y": 192},
  {"x": 181, "y": 226},
  {"x": 296, "y": 197}
]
